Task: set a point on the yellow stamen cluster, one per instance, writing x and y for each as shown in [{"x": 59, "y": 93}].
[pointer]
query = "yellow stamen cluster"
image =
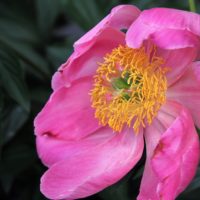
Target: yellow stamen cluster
[{"x": 129, "y": 88}]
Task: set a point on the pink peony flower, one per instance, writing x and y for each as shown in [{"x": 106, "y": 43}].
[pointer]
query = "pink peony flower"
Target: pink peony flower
[{"x": 116, "y": 90}]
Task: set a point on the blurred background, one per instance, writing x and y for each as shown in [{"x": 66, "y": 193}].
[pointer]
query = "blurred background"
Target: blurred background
[{"x": 36, "y": 36}]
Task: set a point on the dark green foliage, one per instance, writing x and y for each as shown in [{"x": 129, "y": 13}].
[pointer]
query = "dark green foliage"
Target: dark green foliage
[{"x": 36, "y": 36}]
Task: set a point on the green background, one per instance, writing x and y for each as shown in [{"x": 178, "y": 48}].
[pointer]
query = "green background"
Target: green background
[{"x": 36, "y": 36}]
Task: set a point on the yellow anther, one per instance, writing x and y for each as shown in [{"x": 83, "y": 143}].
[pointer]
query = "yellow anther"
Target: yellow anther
[{"x": 129, "y": 88}]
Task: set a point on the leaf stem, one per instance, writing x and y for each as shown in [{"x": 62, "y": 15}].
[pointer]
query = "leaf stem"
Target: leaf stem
[{"x": 192, "y": 5}]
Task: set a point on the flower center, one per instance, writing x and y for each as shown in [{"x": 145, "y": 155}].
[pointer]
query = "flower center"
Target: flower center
[{"x": 129, "y": 88}]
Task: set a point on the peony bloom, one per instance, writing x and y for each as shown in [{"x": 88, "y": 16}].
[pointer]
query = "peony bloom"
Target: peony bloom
[{"x": 116, "y": 90}]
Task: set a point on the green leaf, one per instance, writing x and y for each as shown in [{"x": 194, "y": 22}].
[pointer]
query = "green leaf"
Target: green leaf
[
  {"x": 12, "y": 80},
  {"x": 120, "y": 190},
  {"x": 86, "y": 13},
  {"x": 57, "y": 55},
  {"x": 16, "y": 160},
  {"x": 195, "y": 184},
  {"x": 18, "y": 31},
  {"x": 12, "y": 120},
  {"x": 1, "y": 124},
  {"x": 47, "y": 11},
  {"x": 116, "y": 193},
  {"x": 28, "y": 54},
  {"x": 40, "y": 95}
]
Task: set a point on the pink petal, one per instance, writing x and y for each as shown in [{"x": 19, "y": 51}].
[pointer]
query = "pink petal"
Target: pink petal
[
  {"x": 196, "y": 68},
  {"x": 84, "y": 63},
  {"x": 106, "y": 160},
  {"x": 187, "y": 91},
  {"x": 172, "y": 154},
  {"x": 177, "y": 47},
  {"x": 121, "y": 17},
  {"x": 174, "y": 39},
  {"x": 52, "y": 149},
  {"x": 68, "y": 114},
  {"x": 178, "y": 61},
  {"x": 158, "y": 19}
]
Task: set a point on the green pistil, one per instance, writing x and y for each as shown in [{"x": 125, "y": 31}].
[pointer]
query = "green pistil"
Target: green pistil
[
  {"x": 120, "y": 83},
  {"x": 126, "y": 96}
]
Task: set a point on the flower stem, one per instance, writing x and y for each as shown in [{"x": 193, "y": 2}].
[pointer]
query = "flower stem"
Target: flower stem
[{"x": 192, "y": 5}]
